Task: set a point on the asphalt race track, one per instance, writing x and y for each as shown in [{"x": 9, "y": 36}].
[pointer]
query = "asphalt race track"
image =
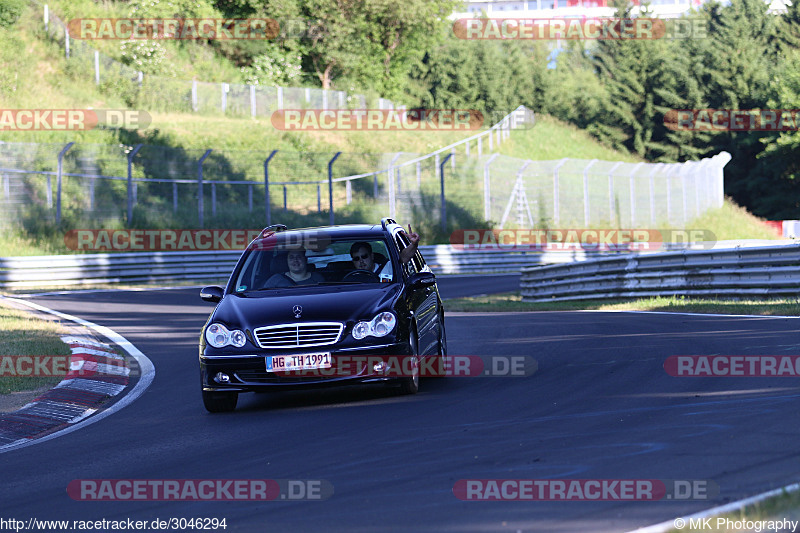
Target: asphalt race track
[{"x": 600, "y": 406}]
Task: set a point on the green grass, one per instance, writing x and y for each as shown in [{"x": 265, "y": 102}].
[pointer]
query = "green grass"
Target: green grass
[
  {"x": 512, "y": 302},
  {"x": 733, "y": 222},
  {"x": 23, "y": 334}
]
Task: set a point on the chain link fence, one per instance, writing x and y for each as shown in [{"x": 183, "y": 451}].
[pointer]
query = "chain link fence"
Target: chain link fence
[
  {"x": 163, "y": 93},
  {"x": 86, "y": 185}
]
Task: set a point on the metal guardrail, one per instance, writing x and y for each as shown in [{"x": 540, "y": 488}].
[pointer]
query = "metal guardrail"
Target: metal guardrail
[
  {"x": 144, "y": 267},
  {"x": 583, "y": 271},
  {"x": 758, "y": 271}
]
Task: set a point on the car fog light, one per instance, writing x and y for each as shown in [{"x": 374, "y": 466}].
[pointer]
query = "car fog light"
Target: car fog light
[
  {"x": 381, "y": 367},
  {"x": 222, "y": 377}
]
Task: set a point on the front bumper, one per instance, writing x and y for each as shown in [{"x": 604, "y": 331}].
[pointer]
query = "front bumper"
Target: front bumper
[{"x": 348, "y": 366}]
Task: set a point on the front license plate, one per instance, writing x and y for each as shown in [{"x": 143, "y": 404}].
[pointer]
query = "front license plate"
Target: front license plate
[{"x": 306, "y": 361}]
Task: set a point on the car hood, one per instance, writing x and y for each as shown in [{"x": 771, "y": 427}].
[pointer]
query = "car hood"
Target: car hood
[{"x": 338, "y": 304}]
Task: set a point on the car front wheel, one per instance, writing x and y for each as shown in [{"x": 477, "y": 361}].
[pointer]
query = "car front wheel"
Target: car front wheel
[{"x": 220, "y": 402}]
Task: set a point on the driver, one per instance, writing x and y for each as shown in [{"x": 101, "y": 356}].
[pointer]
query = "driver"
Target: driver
[{"x": 363, "y": 258}]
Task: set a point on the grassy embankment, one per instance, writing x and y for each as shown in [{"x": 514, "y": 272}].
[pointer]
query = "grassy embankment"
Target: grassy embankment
[
  {"x": 23, "y": 334},
  {"x": 239, "y": 143}
]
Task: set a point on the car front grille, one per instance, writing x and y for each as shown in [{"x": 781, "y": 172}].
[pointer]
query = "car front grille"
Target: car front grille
[{"x": 299, "y": 335}]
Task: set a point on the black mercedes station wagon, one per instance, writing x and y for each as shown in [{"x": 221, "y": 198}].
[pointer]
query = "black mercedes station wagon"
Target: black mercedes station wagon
[{"x": 322, "y": 306}]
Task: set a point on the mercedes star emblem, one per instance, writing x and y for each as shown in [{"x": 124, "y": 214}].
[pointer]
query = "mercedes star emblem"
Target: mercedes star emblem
[{"x": 297, "y": 310}]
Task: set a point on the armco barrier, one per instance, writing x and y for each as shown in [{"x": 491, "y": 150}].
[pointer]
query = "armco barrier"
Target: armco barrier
[
  {"x": 144, "y": 267},
  {"x": 759, "y": 271}
]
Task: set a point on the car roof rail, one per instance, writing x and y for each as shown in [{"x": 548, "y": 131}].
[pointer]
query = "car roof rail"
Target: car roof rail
[
  {"x": 386, "y": 221},
  {"x": 274, "y": 228}
]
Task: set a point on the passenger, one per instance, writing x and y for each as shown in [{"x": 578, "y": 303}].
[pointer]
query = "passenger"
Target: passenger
[{"x": 298, "y": 273}]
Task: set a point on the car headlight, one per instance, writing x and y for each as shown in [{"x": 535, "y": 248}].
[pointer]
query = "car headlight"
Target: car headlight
[
  {"x": 379, "y": 326},
  {"x": 219, "y": 336}
]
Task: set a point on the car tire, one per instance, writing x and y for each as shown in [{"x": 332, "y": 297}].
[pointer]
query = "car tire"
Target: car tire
[
  {"x": 442, "y": 363},
  {"x": 410, "y": 385},
  {"x": 220, "y": 402}
]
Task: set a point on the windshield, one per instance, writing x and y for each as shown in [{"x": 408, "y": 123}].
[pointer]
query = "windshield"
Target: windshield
[{"x": 302, "y": 263}]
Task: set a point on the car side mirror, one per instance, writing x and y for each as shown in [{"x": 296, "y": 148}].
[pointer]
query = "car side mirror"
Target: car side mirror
[
  {"x": 212, "y": 294},
  {"x": 421, "y": 279}
]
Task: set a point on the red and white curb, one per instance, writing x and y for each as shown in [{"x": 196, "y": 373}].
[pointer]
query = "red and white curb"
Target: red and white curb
[{"x": 96, "y": 375}]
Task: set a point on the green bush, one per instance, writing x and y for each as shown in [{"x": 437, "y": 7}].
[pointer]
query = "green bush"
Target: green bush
[{"x": 10, "y": 11}]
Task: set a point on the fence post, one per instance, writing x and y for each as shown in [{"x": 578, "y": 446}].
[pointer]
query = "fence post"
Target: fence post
[
  {"x": 58, "y": 181},
  {"x": 250, "y": 198},
  {"x": 213, "y": 198},
  {"x": 253, "y": 101},
  {"x": 200, "y": 187},
  {"x": 556, "y": 198},
  {"x": 174, "y": 197},
  {"x": 194, "y": 95},
  {"x": 487, "y": 198},
  {"x": 480, "y": 146},
  {"x": 419, "y": 174},
  {"x": 682, "y": 173},
  {"x": 131, "y": 155},
  {"x": 453, "y": 159},
  {"x": 390, "y": 176},
  {"x": 330, "y": 184},
  {"x": 611, "y": 217},
  {"x": 224, "y": 91},
  {"x": 673, "y": 167},
  {"x": 96, "y": 67},
  {"x": 656, "y": 168},
  {"x": 633, "y": 197},
  {"x": 66, "y": 40},
  {"x": 437, "y": 166},
  {"x": 285, "y": 205},
  {"x": 266, "y": 187},
  {"x": 349, "y": 192},
  {"x": 698, "y": 167},
  {"x": 444, "y": 203},
  {"x": 586, "y": 192},
  {"x": 46, "y": 18},
  {"x": 280, "y": 97},
  {"x": 319, "y": 199}
]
